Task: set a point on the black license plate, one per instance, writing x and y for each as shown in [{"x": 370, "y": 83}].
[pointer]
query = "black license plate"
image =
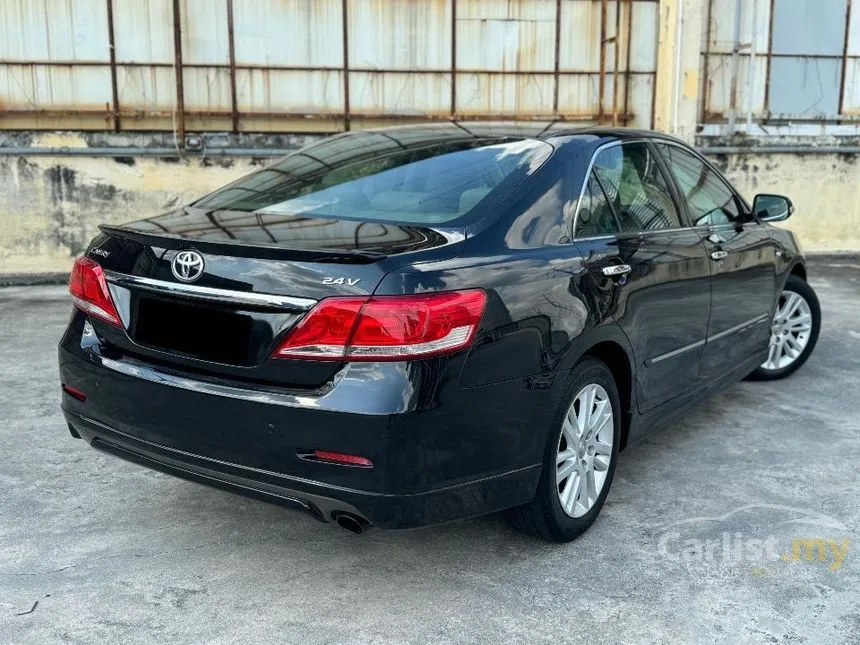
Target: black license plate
[{"x": 195, "y": 330}]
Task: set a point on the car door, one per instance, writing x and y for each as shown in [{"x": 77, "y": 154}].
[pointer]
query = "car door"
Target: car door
[
  {"x": 651, "y": 270},
  {"x": 742, "y": 254}
]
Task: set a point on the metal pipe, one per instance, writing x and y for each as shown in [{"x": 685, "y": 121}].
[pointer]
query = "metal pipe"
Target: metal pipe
[
  {"x": 345, "y": 20},
  {"x": 177, "y": 66},
  {"x": 736, "y": 50},
  {"x": 752, "y": 76},
  {"x": 23, "y": 151},
  {"x": 616, "y": 47},
  {"x": 678, "y": 35},
  {"x": 706, "y": 88},
  {"x": 766, "y": 107},
  {"x": 557, "y": 63},
  {"x": 316, "y": 116},
  {"x": 113, "y": 83},
  {"x": 845, "y": 46},
  {"x": 329, "y": 68},
  {"x": 792, "y": 150},
  {"x": 601, "y": 84},
  {"x": 231, "y": 43},
  {"x": 453, "y": 57},
  {"x": 627, "y": 64}
]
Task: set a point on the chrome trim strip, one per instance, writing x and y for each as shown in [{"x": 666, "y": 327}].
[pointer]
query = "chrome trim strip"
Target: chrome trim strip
[
  {"x": 699, "y": 343},
  {"x": 737, "y": 328},
  {"x": 214, "y": 389},
  {"x": 209, "y": 293},
  {"x": 674, "y": 352}
]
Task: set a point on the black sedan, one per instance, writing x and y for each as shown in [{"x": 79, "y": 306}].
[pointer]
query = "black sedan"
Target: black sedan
[{"x": 406, "y": 326}]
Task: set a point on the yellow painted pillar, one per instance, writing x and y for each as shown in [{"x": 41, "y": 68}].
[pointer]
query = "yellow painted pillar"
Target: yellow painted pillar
[{"x": 679, "y": 46}]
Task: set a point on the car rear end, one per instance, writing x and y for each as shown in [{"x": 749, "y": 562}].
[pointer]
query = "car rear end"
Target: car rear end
[{"x": 277, "y": 370}]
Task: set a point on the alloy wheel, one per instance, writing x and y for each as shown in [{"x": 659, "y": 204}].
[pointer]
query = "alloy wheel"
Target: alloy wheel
[
  {"x": 790, "y": 331},
  {"x": 584, "y": 450}
]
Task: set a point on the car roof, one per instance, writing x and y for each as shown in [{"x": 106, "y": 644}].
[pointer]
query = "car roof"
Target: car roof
[{"x": 555, "y": 132}]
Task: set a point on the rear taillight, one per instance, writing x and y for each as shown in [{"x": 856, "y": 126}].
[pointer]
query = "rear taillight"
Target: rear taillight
[
  {"x": 386, "y": 328},
  {"x": 89, "y": 290}
]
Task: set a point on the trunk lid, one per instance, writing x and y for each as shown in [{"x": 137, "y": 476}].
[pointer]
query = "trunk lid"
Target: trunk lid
[{"x": 261, "y": 273}]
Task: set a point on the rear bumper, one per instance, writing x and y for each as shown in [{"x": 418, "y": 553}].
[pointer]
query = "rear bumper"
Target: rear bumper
[
  {"x": 323, "y": 501},
  {"x": 440, "y": 452}
]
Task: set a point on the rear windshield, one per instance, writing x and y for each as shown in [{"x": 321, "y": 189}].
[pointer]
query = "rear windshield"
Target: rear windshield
[{"x": 372, "y": 176}]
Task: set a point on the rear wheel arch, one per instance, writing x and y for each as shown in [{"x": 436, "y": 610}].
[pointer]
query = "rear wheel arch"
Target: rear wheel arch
[
  {"x": 616, "y": 358},
  {"x": 799, "y": 270}
]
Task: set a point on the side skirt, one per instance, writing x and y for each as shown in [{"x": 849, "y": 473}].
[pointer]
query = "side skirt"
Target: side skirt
[{"x": 642, "y": 425}]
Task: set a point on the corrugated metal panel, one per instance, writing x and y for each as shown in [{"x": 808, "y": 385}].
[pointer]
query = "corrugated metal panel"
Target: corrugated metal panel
[
  {"x": 289, "y": 91},
  {"x": 143, "y": 31},
  {"x": 809, "y": 27},
  {"x": 720, "y": 84},
  {"x": 204, "y": 31},
  {"x": 854, "y": 30},
  {"x": 639, "y": 101},
  {"x": 45, "y": 30},
  {"x": 506, "y": 34},
  {"x": 851, "y": 104},
  {"x": 399, "y": 93},
  {"x": 207, "y": 89},
  {"x": 39, "y": 87},
  {"x": 146, "y": 89},
  {"x": 400, "y": 35},
  {"x": 505, "y": 60},
  {"x": 643, "y": 38},
  {"x": 289, "y": 32},
  {"x": 722, "y": 25},
  {"x": 504, "y": 94}
]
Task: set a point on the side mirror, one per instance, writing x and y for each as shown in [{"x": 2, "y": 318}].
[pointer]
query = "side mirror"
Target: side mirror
[{"x": 772, "y": 208}]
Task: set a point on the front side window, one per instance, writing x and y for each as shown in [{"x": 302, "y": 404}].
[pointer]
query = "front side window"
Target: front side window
[
  {"x": 636, "y": 188},
  {"x": 709, "y": 200}
]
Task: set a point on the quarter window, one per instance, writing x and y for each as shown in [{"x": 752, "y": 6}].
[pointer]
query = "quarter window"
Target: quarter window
[
  {"x": 636, "y": 188},
  {"x": 595, "y": 216},
  {"x": 709, "y": 200}
]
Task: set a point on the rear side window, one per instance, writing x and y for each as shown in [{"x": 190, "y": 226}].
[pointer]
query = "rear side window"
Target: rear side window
[
  {"x": 595, "y": 216},
  {"x": 387, "y": 180},
  {"x": 709, "y": 200},
  {"x": 636, "y": 188}
]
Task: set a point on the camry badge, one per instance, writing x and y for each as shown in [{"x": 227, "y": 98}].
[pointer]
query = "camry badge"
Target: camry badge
[{"x": 187, "y": 266}]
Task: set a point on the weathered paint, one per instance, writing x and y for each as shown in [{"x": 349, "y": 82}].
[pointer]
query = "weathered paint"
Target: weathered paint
[
  {"x": 51, "y": 206},
  {"x": 289, "y": 59}
]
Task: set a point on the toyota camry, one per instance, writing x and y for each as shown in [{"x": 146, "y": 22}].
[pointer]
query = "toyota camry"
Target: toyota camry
[{"x": 406, "y": 326}]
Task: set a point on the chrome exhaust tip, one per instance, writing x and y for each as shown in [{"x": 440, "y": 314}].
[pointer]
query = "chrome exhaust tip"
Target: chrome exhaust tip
[{"x": 351, "y": 523}]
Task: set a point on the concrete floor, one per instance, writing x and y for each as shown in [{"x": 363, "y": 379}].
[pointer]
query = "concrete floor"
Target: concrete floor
[{"x": 95, "y": 550}]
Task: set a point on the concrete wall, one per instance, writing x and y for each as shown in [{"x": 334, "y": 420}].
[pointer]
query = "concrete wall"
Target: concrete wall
[
  {"x": 825, "y": 189},
  {"x": 50, "y": 206}
]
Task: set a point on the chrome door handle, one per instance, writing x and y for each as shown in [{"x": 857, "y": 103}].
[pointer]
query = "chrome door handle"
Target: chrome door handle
[
  {"x": 617, "y": 269},
  {"x": 718, "y": 255}
]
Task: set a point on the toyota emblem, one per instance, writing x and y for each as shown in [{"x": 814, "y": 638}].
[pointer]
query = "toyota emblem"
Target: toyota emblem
[{"x": 187, "y": 266}]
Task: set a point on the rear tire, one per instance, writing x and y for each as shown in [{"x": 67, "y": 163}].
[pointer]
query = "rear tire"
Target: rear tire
[
  {"x": 794, "y": 331},
  {"x": 578, "y": 464}
]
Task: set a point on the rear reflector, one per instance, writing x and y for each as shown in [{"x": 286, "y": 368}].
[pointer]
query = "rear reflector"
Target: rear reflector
[
  {"x": 74, "y": 392},
  {"x": 340, "y": 458},
  {"x": 386, "y": 328},
  {"x": 90, "y": 293}
]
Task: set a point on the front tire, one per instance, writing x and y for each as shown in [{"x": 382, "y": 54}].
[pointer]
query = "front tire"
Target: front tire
[
  {"x": 794, "y": 331},
  {"x": 579, "y": 459}
]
